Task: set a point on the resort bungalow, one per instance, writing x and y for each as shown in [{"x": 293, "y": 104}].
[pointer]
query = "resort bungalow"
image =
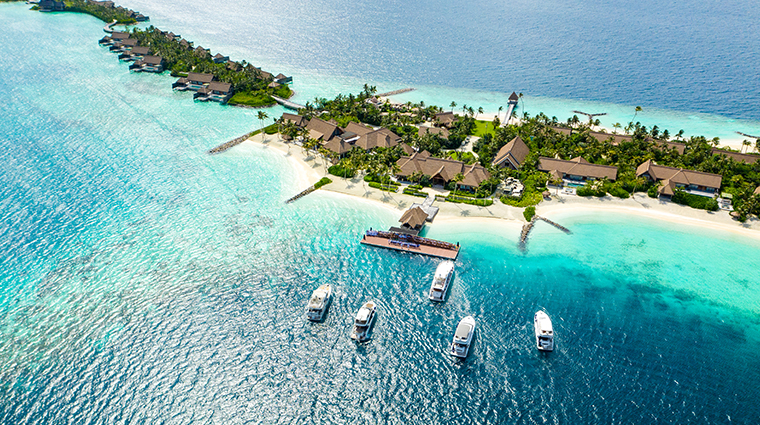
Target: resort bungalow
[
  {"x": 747, "y": 158},
  {"x": 338, "y": 146},
  {"x": 694, "y": 182},
  {"x": 322, "y": 130},
  {"x": 137, "y": 53},
  {"x": 438, "y": 131},
  {"x": 354, "y": 131},
  {"x": 123, "y": 45},
  {"x": 148, "y": 64},
  {"x": 282, "y": 79},
  {"x": 616, "y": 139},
  {"x": 445, "y": 119},
  {"x": 115, "y": 36},
  {"x": 216, "y": 91},
  {"x": 295, "y": 119},
  {"x": 576, "y": 170},
  {"x": 382, "y": 138},
  {"x": 512, "y": 154},
  {"x": 441, "y": 171},
  {"x": 218, "y": 58},
  {"x": 194, "y": 81}
]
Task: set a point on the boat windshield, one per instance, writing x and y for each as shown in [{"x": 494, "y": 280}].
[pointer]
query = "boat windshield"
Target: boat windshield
[
  {"x": 463, "y": 330},
  {"x": 363, "y": 315}
]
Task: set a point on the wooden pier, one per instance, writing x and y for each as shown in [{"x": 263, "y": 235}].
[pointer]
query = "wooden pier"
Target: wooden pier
[
  {"x": 395, "y": 92},
  {"x": 529, "y": 226},
  {"x": 411, "y": 244},
  {"x": 288, "y": 104}
]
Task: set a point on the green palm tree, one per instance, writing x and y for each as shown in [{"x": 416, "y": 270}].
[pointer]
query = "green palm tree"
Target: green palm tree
[
  {"x": 261, "y": 115},
  {"x": 499, "y": 114},
  {"x": 453, "y": 105},
  {"x": 616, "y": 126},
  {"x": 746, "y": 145},
  {"x": 457, "y": 178},
  {"x": 635, "y": 113},
  {"x": 480, "y": 111}
]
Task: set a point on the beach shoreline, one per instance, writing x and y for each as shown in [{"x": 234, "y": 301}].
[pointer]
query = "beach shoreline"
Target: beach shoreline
[{"x": 311, "y": 167}]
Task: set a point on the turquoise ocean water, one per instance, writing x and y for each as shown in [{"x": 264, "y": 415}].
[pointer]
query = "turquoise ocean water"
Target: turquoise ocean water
[{"x": 144, "y": 281}]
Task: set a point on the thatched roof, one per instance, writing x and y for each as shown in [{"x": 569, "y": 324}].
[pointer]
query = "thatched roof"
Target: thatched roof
[
  {"x": 577, "y": 167},
  {"x": 413, "y": 217},
  {"x": 513, "y": 152},
  {"x": 671, "y": 176}
]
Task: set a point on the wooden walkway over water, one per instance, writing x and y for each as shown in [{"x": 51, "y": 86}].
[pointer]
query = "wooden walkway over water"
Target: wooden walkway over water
[
  {"x": 288, "y": 104},
  {"x": 412, "y": 244},
  {"x": 529, "y": 226}
]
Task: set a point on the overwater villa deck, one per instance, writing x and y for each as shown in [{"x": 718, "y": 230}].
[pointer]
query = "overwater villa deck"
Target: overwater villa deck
[{"x": 412, "y": 244}]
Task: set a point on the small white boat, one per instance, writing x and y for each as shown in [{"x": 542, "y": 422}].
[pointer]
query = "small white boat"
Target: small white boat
[
  {"x": 544, "y": 331},
  {"x": 441, "y": 281},
  {"x": 319, "y": 303},
  {"x": 460, "y": 347},
  {"x": 363, "y": 322}
]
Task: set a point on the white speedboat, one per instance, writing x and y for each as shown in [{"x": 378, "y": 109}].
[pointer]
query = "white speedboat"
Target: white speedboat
[
  {"x": 463, "y": 337},
  {"x": 363, "y": 322},
  {"x": 441, "y": 281},
  {"x": 319, "y": 303},
  {"x": 544, "y": 331}
]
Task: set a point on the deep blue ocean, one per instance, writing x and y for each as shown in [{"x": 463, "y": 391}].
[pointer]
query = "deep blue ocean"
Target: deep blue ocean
[{"x": 145, "y": 281}]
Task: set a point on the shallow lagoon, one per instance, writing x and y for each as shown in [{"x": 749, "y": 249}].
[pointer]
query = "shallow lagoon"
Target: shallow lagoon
[{"x": 145, "y": 280}]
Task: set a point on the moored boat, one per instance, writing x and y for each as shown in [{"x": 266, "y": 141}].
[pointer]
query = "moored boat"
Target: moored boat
[
  {"x": 363, "y": 322},
  {"x": 441, "y": 280},
  {"x": 319, "y": 303},
  {"x": 460, "y": 347},
  {"x": 544, "y": 331}
]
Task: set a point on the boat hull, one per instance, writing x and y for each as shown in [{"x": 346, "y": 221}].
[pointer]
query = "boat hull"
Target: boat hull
[
  {"x": 364, "y": 333},
  {"x": 544, "y": 332},
  {"x": 460, "y": 346}
]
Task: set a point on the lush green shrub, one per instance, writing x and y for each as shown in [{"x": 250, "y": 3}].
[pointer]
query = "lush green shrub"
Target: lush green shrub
[
  {"x": 413, "y": 192},
  {"x": 694, "y": 201},
  {"x": 372, "y": 178},
  {"x": 652, "y": 191},
  {"x": 415, "y": 186},
  {"x": 529, "y": 212},
  {"x": 470, "y": 201},
  {"x": 590, "y": 191},
  {"x": 528, "y": 198},
  {"x": 619, "y": 192},
  {"x": 255, "y": 99},
  {"x": 323, "y": 181},
  {"x": 340, "y": 171},
  {"x": 385, "y": 187}
]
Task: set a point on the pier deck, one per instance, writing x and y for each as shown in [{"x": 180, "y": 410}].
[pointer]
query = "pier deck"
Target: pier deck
[
  {"x": 288, "y": 104},
  {"x": 384, "y": 240}
]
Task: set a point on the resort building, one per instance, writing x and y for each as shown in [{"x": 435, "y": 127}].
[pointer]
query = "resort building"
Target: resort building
[
  {"x": 576, "y": 169},
  {"x": 115, "y": 36},
  {"x": 412, "y": 221},
  {"x": 218, "y": 58},
  {"x": 354, "y": 131},
  {"x": 694, "y": 182},
  {"x": 445, "y": 119},
  {"x": 512, "y": 154},
  {"x": 338, "y": 146},
  {"x": 382, "y": 138},
  {"x": 438, "y": 131},
  {"x": 322, "y": 130},
  {"x": 136, "y": 53},
  {"x": 747, "y": 158},
  {"x": 216, "y": 91},
  {"x": 441, "y": 171},
  {"x": 148, "y": 64},
  {"x": 194, "y": 81},
  {"x": 51, "y": 6},
  {"x": 282, "y": 79},
  {"x": 617, "y": 139},
  {"x": 295, "y": 119}
]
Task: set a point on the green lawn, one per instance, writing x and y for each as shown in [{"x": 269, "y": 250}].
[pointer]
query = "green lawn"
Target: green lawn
[
  {"x": 251, "y": 99},
  {"x": 483, "y": 127}
]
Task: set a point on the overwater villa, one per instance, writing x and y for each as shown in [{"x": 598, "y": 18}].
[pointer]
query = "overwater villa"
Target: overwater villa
[
  {"x": 412, "y": 221},
  {"x": 282, "y": 79},
  {"x": 121, "y": 46},
  {"x": 148, "y": 64},
  {"x": 512, "y": 154},
  {"x": 694, "y": 182},
  {"x": 216, "y": 91},
  {"x": 115, "y": 36},
  {"x": 136, "y": 53},
  {"x": 194, "y": 81},
  {"x": 576, "y": 170},
  {"x": 441, "y": 171}
]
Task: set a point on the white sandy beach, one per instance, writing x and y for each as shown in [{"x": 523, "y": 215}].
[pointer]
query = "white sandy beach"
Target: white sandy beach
[{"x": 310, "y": 168}]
